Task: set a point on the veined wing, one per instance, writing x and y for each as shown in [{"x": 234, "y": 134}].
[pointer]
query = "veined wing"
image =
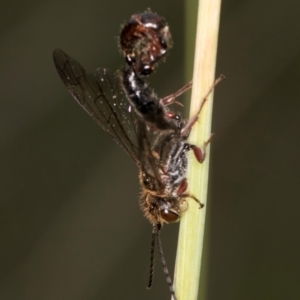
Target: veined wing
[
  {"x": 101, "y": 96},
  {"x": 149, "y": 160}
]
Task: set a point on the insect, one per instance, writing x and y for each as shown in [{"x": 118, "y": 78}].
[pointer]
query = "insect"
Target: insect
[{"x": 140, "y": 122}]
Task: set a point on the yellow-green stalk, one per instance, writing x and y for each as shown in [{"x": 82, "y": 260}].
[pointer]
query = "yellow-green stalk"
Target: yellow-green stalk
[{"x": 191, "y": 233}]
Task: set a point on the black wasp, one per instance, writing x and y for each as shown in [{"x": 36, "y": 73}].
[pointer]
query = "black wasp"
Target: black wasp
[{"x": 140, "y": 122}]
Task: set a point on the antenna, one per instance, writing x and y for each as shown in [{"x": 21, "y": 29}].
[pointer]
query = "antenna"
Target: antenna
[
  {"x": 153, "y": 239},
  {"x": 156, "y": 235}
]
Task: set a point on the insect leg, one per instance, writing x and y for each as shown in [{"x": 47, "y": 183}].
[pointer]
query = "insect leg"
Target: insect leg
[
  {"x": 187, "y": 195},
  {"x": 170, "y": 99},
  {"x": 200, "y": 152},
  {"x": 188, "y": 126}
]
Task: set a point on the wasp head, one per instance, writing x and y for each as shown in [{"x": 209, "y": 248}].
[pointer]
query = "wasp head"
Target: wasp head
[{"x": 159, "y": 209}]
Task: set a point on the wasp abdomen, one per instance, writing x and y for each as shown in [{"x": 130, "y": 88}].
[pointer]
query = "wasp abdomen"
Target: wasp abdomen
[
  {"x": 145, "y": 40},
  {"x": 145, "y": 101}
]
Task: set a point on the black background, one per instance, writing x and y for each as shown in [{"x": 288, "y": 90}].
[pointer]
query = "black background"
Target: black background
[{"x": 70, "y": 224}]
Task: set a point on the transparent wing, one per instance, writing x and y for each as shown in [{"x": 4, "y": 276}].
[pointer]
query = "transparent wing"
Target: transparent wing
[
  {"x": 101, "y": 96},
  {"x": 149, "y": 159}
]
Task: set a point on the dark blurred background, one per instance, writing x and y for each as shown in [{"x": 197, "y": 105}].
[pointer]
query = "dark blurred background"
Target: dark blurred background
[{"x": 70, "y": 224}]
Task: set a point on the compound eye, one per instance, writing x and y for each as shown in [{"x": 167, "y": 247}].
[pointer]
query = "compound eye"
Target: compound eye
[{"x": 169, "y": 216}]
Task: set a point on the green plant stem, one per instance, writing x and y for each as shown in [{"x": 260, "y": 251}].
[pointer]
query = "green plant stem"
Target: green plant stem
[{"x": 191, "y": 233}]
